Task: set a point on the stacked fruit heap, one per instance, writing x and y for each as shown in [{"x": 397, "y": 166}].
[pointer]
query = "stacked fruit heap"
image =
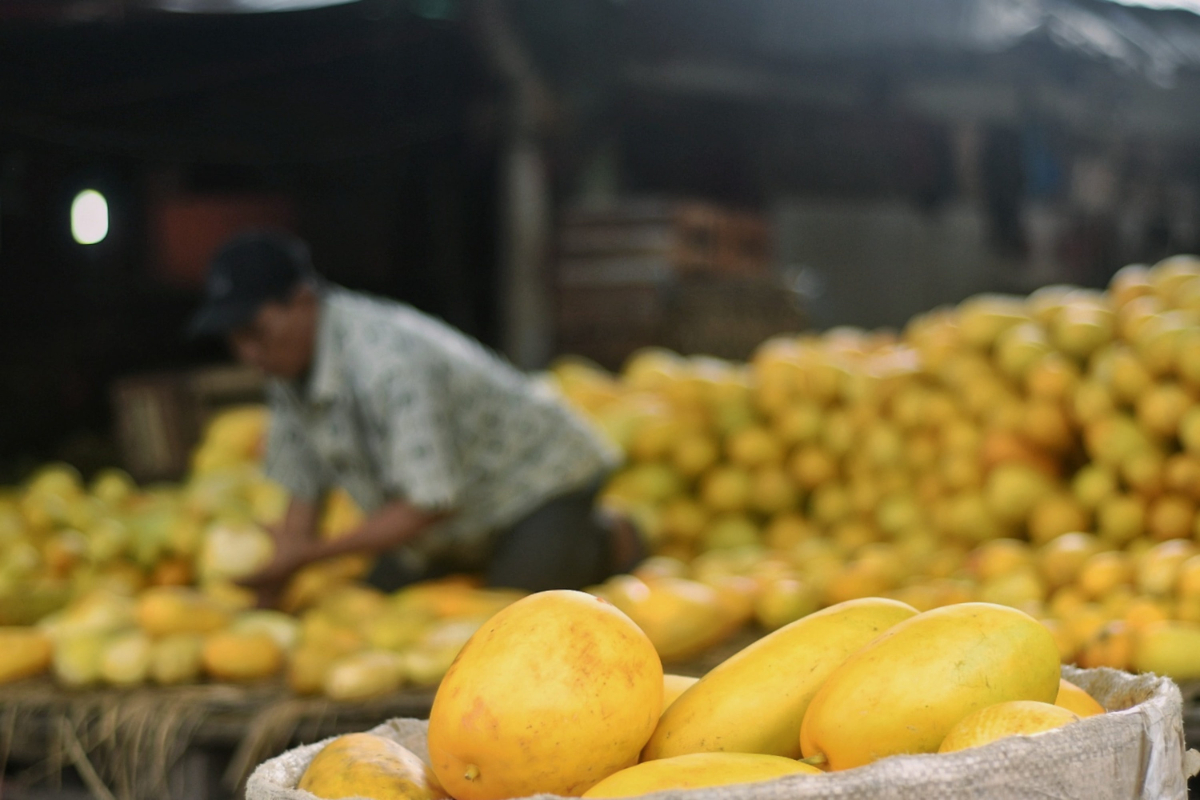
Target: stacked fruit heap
[
  {"x": 561, "y": 693},
  {"x": 1040, "y": 452},
  {"x": 129, "y": 586}
]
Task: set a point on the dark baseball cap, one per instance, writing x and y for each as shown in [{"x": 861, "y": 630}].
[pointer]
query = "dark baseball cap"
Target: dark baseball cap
[{"x": 249, "y": 270}]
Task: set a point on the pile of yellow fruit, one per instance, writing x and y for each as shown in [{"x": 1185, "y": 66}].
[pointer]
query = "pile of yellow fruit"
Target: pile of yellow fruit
[
  {"x": 1041, "y": 452},
  {"x": 562, "y": 694},
  {"x": 115, "y": 585}
]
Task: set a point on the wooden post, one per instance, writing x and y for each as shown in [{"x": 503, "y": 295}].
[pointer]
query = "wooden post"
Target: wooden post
[{"x": 525, "y": 202}]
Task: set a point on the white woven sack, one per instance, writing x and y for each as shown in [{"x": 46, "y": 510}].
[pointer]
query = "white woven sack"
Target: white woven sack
[{"x": 1135, "y": 751}]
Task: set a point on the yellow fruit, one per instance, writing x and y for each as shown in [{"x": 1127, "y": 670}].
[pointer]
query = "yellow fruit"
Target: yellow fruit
[
  {"x": 1189, "y": 430},
  {"x": 1083, "y": 623},
  {"x": 364, "y": 765},
  {"x": 126, "y": 659},
  {"x": 308, "y": 665},
  {"x": 754, "y": 446},
  {"x": 1017, "y": 589},
  {"x": 1158, "y": 568},
  {"x": 772, "y": 490},
  {"x": 1110, "y": 646},
  {"x": 1092, "y": 485},
  {"x": 1014, "y": 490},
  {"x": 174, "y": 609},
  {"x": 363, "y": 675},
  {"x": 1103, "y": 572},
  {"x": 694, "y": 454},
  {"x": 1168, "y": 648},
  {"x": 1054, "y": 516},
  {"x": 1143, "y": 472},
  {"x": 799, "y": 423},
  {"x": 674, "y": 686},
  {"x": 812, "y": 466},
  {"x": 831, "y": 503},
  {"x": 1052, "y": 378},
  {"x": 695, "y": 771},
  {"x": 729, "y": 531},
  {"x": 1171, "y": 517},
  {"x": 1019, "y": 348},
  {"x": 726, "y": 488},
  {"x": 983, "y": 318},
  {"x": 1067, "y": 646},
  {"x": 681, "y": 617},
  {"x": 1072, "y": 698},
  {"x": 784, "y": 600},
  {"x": 1061, "y": 559},
  {"x": 1129, "y": 283},
  {"x": 653, "y": 438},
  {"x": 1187, "y": 580},
  {"x": 683, "y": 519},
  {"x": 1162, "y": 407},
  {"x": 77, "y": 658},
  {"x": 553, "y": 694},
  {"x": 176, "y": 659},
  {"x": 903, "y": 692},
  {"x": 749, "y": 704},
  {"x": 787, "y": 530},
  {"x": 1120, "y": 519},
  {"x": 232, "y": 656},
  {"x": 1181, "y": 475},
  {"x": 999, "y": 557},
  {"x": 1014, "y": 718},
  {"x": 1144, "y": 610},
  {"x": 24, "y": 652},
  {"x": 1079, "y": 329}
]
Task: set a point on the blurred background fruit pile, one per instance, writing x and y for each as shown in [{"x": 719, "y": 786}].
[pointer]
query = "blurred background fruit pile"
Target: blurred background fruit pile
[{"x": 1041, "y": 452}]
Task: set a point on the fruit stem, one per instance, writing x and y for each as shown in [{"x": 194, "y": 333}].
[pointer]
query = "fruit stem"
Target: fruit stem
[
  {"x": 815, "y": 760},
  {"x": 472, "y": 772}
]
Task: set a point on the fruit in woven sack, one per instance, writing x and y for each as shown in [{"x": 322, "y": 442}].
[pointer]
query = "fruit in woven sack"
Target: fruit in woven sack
[
  {"x": 903, "y": 692},
  {"x": 1168, "y": 648},
  {"x": 177, "y": 659},
  {"x": 174, "y": 609},
  {"x": 681, "y": 617},
  {"x": 696, "y": 771},
  {"x": 1016, "y": 717},
  {"x": 1072, "y": 698},
  {"x": 24, "y": 652},
  {"x": 126, "y": 659},
  {"x": 755, "y": 701},
  {"x": 370, "y": 766},
  {"x": 674, "y": 686},
  {"x": 554, "y": 693},
  {"x": 240, "y": 657},
  {"x": 363, "y": 675}
]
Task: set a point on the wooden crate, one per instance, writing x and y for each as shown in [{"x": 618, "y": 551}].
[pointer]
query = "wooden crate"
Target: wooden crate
[
  {"x": 644, "y": 241},
  {"x": 159, "y": 418}
]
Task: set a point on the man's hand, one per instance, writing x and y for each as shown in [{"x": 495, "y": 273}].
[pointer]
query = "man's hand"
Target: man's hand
[{"x": 295, "y": 546}]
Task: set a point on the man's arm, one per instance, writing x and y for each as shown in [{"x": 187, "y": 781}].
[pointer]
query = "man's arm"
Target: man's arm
[{"x": 296, "y": 543}]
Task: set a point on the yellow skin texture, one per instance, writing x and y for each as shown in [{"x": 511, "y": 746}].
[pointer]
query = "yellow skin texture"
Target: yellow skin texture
[
  {"x": 754, "y": 701},
  {"x": 24, "y": 652},
  {"x": 553, "y": 694},
  {"x": 697, "y": 770},
  {"x": 1168, "y": 648},
  {"x": 364, "y": 765},
  {"x": 904, "y": 691},
  {"x": 675, "y": 685},
  {"x": 1005, "y": 719},
  {"x": 1072, "y": 698}
]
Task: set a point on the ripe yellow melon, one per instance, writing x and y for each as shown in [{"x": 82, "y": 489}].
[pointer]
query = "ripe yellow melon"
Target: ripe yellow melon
[
  {"x": 681, "y": 617},
  {"x": 674, "y": 686},
  {"x": 363, "y": 675},
  {"x": 695, "y": 771},
  {"x": 755, "y": 700},
  {"x": 176, "y": 659},
  {"x": 1168, "y": 648},
  {"x": 903, "y": 692},
  {"x": 364, "y": 765},
  {"x": 553, "y": 694},
  {"x": 1072, "y": 698},
  {"x": 24, "y": 652},
  {"x": 1016, "y": 717},
  {"x": 172, "y": 609},
  {"x": 230, "y": 656}
]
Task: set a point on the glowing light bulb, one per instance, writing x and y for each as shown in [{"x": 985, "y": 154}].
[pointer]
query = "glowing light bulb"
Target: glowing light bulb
[{"x": 89, "y": 217}]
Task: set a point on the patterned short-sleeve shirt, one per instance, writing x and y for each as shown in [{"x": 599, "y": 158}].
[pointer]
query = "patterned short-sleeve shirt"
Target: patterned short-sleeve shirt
[{"x": 401, "y": 406}]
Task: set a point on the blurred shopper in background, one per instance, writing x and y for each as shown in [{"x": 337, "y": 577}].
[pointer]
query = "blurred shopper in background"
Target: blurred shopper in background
[{"x": 461, "y": 462}]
